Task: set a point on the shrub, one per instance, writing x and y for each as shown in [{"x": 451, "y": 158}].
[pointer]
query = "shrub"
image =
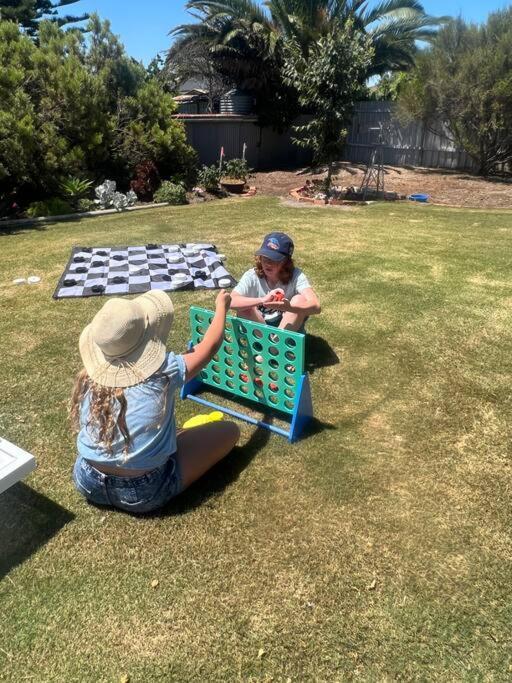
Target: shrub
[
  {"x": 146, "y": 181},
  {"x": 55, "y": 206},
  {"x": 238, "y": 169},
  {"x": 85, "y": 204},
  {"x": 74, "y": 189},
  {"x": 107, "y": 196},
  {"x": 174, "y": 193},
  {"x": 209, "y": 177}
]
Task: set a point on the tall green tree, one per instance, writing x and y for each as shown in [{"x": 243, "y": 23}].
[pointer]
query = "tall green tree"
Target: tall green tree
[
  {"x": 328, "y": 80},
  {"x": 464, "y": 83},
  {"x": 29, "y": 13},
  {"x": 71, "y": 105}
]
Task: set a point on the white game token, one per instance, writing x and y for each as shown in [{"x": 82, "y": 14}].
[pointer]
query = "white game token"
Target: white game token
[
  {"x": 179, "y": 277},
  {"x": 173, "y": 248},
  {"x": 33, "y": 280},
  {"x": 222, "y": 257},
  {"x": 19, "y": 281},
  {"x": 224, "y": 282},
  {"x": 174, "y": 258}
]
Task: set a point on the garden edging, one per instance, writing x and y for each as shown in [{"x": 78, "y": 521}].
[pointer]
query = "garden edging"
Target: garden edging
[{"x": 72, "y": 216}]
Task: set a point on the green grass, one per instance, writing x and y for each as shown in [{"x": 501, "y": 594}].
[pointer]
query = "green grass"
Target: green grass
[{"x": 377, "y": 548}]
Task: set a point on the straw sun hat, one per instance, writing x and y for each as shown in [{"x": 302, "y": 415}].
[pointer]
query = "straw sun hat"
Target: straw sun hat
[{"x": 125, "y": 342}]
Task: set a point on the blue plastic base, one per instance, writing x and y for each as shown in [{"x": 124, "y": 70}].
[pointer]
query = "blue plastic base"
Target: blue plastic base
[{"x": 302, "y": 412}]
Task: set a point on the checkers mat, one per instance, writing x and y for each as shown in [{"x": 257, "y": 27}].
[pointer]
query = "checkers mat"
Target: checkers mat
[{"x": 93, "y": 271}]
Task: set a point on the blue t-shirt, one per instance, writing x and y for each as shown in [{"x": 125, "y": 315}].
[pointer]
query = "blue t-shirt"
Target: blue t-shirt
[{"x": 149, "y": 418}]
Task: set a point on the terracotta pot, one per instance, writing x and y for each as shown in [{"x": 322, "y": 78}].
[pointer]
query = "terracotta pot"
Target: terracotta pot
[{"x": 233, "y": 185}]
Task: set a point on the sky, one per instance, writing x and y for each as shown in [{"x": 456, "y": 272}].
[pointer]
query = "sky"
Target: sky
[{"x": 143, "y": 27}]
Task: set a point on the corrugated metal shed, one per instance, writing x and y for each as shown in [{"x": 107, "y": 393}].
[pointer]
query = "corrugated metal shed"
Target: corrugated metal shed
[{"x": 265, "y": 149}]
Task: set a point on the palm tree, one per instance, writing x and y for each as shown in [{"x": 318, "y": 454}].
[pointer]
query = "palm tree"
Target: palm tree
[
  {"x": 246, "y": 39},
  {"x": 392, "y": 25}
]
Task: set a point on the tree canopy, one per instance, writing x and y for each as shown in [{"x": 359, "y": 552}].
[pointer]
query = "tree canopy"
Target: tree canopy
[
  {"x": 29, "y": 13},
  {"x": 464, "y": 81},
  {"x": 71, "y": 105},
  {"x": 328, "y": 82},
  {"x": 246, "y": 41}
]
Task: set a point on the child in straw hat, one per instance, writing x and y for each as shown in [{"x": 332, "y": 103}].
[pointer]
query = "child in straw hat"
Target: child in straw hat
[{"x": 129, "y": 453}]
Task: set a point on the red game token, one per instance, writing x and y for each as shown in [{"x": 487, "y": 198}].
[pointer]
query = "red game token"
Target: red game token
[
  {"x": 278, "y": 296},
  {"x": 273, "y": 387},
  {"x": 244, "y": 378},
  {"x": 258, "y": 381}
]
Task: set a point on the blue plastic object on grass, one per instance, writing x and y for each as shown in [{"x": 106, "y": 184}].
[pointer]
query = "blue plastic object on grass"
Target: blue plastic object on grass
[{"x": 419, "y": 197}]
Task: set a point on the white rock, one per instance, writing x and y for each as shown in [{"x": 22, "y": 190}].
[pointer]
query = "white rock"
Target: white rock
[{"x": 19, "y": 281}]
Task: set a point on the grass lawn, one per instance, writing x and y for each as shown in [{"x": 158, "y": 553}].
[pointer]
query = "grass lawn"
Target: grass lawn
[{"x": 378, "y": 547}]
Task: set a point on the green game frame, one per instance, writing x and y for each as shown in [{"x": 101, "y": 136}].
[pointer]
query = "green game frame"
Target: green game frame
[{"x": 258, "y": 363}]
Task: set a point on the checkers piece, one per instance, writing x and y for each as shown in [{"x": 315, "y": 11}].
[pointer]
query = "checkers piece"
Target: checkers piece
[
  {"x": 97, "y": 264},
  {"x": 81, "y": 269},
  {"x": 118, "y": 257},
  {"x": 79, "y": 259},
  {"x": 152, "y": 247},
  {"x": 88, "y": 250},
  {"x": 118, "y": 280},
  {"x": 98, "y": 289},
  {"x": 101, "y": 253},
  {"x": 69, "y": 282}
]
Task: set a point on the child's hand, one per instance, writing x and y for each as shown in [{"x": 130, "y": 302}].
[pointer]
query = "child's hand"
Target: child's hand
[
  {"x": 274, "y": 295},
  {"x": 267, "y": 298},
  {"x": 283, "y": 305},
  {"x": 223, "y": 300}
]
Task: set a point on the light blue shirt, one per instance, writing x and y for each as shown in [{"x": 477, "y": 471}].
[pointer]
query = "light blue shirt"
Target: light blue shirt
[
  {"x": 252, "y": 286},
  {"x": 149, "y": 418}
]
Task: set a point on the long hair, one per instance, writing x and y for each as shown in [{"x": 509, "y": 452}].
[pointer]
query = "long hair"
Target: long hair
[
  {"x": 102, "y": 420},
  {"x": 285, "y": 272}
]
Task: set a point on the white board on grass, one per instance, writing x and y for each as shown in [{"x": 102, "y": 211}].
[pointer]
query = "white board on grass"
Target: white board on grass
[{"x": 15, "y": 463}]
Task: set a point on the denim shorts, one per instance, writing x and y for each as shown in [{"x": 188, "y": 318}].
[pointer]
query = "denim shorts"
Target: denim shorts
[{"x": 144, "y": 493}]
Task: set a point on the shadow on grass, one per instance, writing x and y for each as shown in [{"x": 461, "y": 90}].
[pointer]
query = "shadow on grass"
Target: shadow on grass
[
  {"x": 218, "y": 478},
  {"x": 27, "y": 521},
  {"x": 6, "y": 231},
  {"x": 319, "y": 353},
  {"x": 24, "y": 224}
]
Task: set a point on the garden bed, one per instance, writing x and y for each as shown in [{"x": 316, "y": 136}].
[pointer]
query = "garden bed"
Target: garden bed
[{"x": 449, "y": 188}]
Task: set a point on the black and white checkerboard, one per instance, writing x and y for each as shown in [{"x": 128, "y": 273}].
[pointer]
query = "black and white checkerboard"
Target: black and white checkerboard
[{"x": 92, "y": 271}]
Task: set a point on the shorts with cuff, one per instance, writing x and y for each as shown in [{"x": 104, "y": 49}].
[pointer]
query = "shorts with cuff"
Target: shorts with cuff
[{"x": 140, "y": 494}]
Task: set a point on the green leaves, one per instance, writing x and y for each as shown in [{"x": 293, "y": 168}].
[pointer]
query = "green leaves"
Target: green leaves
[
  {"x": 69, "y": 110},
  {"x": 464, "y": 84},
  {"x": 328, "y": 80}
]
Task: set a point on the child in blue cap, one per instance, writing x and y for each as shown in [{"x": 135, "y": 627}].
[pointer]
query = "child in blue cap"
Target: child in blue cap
[{"x": 275, "y": 292}]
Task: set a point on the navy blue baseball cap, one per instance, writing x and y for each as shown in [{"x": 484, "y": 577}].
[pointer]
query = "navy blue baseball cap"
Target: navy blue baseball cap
[{"x": 276, "y": 246}]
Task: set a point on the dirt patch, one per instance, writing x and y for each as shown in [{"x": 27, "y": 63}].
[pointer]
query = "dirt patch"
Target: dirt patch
[{"x": 450, "y": 188}]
